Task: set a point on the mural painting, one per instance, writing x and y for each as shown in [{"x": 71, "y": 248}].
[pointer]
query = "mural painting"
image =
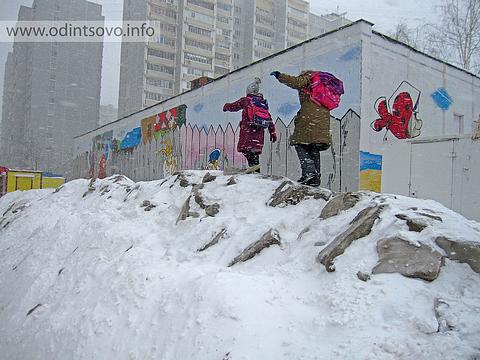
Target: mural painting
[
  {"x": 160, "y": 127},
  {"x": 213, "y": 158},
  {"x": 442, "y": 99},
  {"x": 131, "y": 140},
  {"x": 370, "y": 171},
  {"x": 399, "y": 114},
  {"x": 101, "y": 146}
]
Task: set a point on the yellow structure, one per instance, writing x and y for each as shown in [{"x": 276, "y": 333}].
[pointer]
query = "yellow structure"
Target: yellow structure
[
  {"x": 52, "y": 182},
  {"x": 23, "y": 180},
  {"x": 13, "y": 180}
]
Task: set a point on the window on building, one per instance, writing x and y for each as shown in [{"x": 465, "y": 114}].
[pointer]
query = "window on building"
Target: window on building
[
  {"x": 160, "y": 68},
  {"x": 264, "y": 44},
  {"x": 298, "y": 13},
  {"x": 164, "y": 26},
  {"x": 297, "y": 23},
  {"x": 223, "y": 19},
  {"x": 199, "y": 31},
  {"x": 165, "y": 40},
  {"x": 198, "y": 44},
  {"x": 160, "y": 83},
  {"x": 201, "y": 3},
  {"x": 161, "y": 54},
  {"x": 223, "y": 45},
  {"x": 197, "y": 58},
  {"x": 296, "y": 34},
  {"x": 264, "y": 32},
  {"x": 459, "y": 123},
  {"x": 266, "y": 20},
  {"x": 154, "y": 96},
  {"x": 162, "y": 11},
  {"x": 196, "y": 72},
  {"x": 201, "y": 17},
  {"x": 222, "y": 57},
  {"x": 51, "y": 110}
]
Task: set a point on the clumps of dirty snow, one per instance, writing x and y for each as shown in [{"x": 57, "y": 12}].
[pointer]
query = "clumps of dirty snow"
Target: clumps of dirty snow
[{"x": 110, "y": 269}]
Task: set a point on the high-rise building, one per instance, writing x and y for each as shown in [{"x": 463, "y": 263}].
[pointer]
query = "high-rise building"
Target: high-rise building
[
  {"x": 321, "y": 24},
  {"x": 51, "y": 90},
  {"x": 204, "y": 38},
  {"x": 264, "y": 27},
  {"x": 193, "y": 39}
]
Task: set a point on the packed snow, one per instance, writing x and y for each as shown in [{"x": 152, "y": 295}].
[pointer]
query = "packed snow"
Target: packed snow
[{"x": 87, "y": 273}]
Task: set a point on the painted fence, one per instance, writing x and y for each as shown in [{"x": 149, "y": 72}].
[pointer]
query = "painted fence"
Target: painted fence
[{"x": 188, "y": 147}]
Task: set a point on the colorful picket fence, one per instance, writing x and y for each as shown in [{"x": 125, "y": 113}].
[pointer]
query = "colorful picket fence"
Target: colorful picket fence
[{"x": 188, "y": 147}]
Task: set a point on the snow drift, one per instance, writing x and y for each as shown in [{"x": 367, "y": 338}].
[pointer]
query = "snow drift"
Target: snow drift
[{"x": 112, "y": 269}]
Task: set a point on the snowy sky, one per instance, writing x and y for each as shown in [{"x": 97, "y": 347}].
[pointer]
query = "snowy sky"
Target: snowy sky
[{"x": 385, "y": 14}]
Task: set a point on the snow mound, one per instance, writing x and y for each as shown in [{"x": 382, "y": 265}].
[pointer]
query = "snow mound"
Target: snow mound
[{"x": 112, "y": 269}]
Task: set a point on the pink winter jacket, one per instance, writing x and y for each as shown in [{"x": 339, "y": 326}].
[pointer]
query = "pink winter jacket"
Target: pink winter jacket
[{"x": 251, "y": 137}]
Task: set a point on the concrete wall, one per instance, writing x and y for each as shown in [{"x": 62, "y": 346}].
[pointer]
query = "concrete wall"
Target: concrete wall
[{"x": 338, "y": 53}]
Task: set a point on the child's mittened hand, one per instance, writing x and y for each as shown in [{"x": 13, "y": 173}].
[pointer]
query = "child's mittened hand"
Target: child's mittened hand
[
  {"x": 273, "y": 137},
  {"x": 275, "y": 73},
  {"x": 225, "y": 108}
]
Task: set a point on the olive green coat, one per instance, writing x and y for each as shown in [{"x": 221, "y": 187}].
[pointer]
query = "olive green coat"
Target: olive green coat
[{"x": 312, "y": 123}]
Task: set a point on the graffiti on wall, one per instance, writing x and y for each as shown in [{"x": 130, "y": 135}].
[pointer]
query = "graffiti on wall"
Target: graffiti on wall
[
  {"x": 399, "y": 113},
  {"x": 160, "y": 127},
  {"x": 131, "y": 140},
  {"x": 442, "y": 98},
  {"x": 157, "y": 125},
  {"x": 370, "y": 171},
  {"x": 101, "y": 147}
]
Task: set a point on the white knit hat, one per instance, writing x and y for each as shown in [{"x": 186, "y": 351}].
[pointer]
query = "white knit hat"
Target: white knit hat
[{"x": 254, "y": 87}]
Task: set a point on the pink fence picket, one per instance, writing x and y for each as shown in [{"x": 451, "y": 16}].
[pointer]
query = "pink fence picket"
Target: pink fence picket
[
  {"x": 203, "y": 150},
  {"x": 229, "y": 146},
  {"x": 195, "y": 148}
]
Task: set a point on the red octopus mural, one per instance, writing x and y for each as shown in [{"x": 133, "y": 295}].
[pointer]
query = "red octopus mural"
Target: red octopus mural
[{"x": 400, "y": 117}]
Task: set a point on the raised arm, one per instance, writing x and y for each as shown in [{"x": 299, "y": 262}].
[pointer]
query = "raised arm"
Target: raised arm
[
  {"x": 295, "y": 82},
  {"x": 235, "y": 106}
]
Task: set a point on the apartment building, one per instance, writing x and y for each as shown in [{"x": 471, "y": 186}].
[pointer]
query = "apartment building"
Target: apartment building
[
  {"x": 264, "y": 27},
  {"x": 193, "y": 39},
  {"x": 196, "y": 38},
  {"x": 51, "y": 90}
]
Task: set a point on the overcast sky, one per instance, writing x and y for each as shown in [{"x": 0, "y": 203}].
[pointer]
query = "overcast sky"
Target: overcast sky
[{"x": 385, "y": 14}]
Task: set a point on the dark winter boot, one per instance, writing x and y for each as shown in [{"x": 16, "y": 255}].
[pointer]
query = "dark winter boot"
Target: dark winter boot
[{"x": 315, "y": 180}]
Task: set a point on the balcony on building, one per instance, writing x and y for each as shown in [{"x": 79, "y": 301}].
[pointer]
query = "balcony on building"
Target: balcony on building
[{"x": 202, "y": 6}]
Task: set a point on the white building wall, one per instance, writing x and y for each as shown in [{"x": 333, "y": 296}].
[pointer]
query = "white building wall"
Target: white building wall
[{"x": 432, "y": 164}]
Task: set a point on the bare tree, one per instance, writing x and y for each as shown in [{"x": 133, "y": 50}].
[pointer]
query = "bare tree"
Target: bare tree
[
  {"x": 457, "y": 37},
  {"x": 33, "y": 151},
  {"x": 412, "y": 36}
]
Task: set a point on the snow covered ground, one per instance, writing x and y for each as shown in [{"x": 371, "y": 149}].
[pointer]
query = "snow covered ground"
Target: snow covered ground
[{"x": 89, "y": 274}]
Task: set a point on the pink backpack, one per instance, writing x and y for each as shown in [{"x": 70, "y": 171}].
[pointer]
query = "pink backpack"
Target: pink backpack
[
  {"x": 258, "y": 111},
  {"x": 325, "y": 89}
]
